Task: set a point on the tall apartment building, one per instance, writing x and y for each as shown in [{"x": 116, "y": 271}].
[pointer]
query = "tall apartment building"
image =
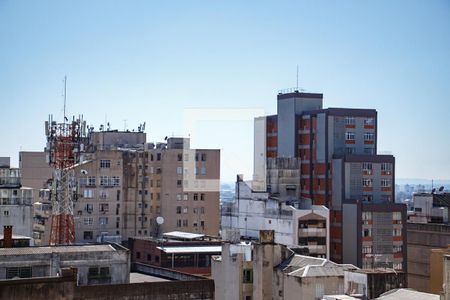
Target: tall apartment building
[
  {"x": 15, "y": 200},
  {"x": 128, "y": 188},
  {"x": 335, "y": 149}
]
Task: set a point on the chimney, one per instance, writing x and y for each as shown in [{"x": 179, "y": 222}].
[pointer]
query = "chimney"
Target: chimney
[{"x": 7, "y": 236}]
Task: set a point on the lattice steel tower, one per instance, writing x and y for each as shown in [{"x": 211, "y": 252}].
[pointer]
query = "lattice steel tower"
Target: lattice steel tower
[{"x": 64, "y": 146}]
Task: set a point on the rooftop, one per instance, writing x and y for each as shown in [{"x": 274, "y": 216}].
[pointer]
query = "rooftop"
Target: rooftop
[
  {"x": 308, "y": 266},
  {"x": 407, "y": 294},
  {"x": 56, "y": 249},
  {"x": 183, "y": 235},
  {"x": 191, "y": 249}
]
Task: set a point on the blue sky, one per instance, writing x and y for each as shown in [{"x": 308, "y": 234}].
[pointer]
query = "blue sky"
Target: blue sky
[{"x": 150, "y": 60}]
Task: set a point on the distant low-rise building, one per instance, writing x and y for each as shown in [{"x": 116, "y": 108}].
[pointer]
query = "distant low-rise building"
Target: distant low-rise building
[
  {"x": 95, "y": 264},
  {"x": 181, "y": 251},
  {"x": 15, "y": 200}
]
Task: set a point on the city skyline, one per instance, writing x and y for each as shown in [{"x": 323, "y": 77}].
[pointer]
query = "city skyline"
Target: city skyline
[{"x": 153, "y": 62}]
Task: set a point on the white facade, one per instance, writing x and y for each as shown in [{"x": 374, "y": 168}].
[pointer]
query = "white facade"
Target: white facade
[
  {"x": 259, "y": 154},
  {"x": 255, "y": 211},
  {"x": 15, "y": 201}
]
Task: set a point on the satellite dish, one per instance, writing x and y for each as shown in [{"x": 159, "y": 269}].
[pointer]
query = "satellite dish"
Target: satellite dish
[
  {"x": 160, "y": 220},
  {"x": 441, "y": 188}
]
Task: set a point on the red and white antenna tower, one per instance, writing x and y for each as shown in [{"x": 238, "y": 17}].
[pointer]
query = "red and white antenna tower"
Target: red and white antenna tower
[{"x": 64, "y": 146}]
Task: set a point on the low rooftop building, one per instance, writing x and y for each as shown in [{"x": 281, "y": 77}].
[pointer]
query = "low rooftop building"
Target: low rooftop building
[
  {"x": 182, "y": 251},
  {"x": 95, "y": 264}
]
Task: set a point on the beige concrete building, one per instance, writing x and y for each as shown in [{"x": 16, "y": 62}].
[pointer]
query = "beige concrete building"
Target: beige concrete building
[
  {"x": 422, "y": 240},
  {"x": 34, "y": 170},
  {"x": 266, "y": 270},
  {"x": 129, "y": 188}
]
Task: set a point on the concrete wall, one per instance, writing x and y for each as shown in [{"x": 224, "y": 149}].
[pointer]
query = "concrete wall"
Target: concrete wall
[
  {"x": 65, "y": 288},
  {"x": 19, "y": 216},
  {"x": 35, "y": 170},
  {"x": 349, "y": 234},
  {"x": 259, "y": 155},
  {"x": 265, "y": 258},
  {"x": 312, "y": 287},
  {"x": 421, "y": 239}
]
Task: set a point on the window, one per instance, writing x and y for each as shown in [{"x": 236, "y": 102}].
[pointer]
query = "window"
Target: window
[
  {"x": 195, "y": 210},
  {"x": 89, "y": 208},
  {"x": 195, "y": 197},
  {"x": 185, "y": 197},
  {"x": 369, "y": 136},
  {"x": 83, "y": 181},
  {"x": 185, "y": 223},
  {"x": 178, "y": 209},
  {"x": 247, "y": 276},
  {"x": 202, "y": 224},
  {"x": 367, "y": 198},
  {"x": 195, "y": 170},
  {"x": 366, "y": 216},
  {"x": 350, "y": 136},
  {"x": 149, "y": 257},
  {"x": 369, "y": 121},
  {"x": 180, "y": 157},
  {"x": 203, "y": 156},
  {"x": 179, "y": 170},
  {"x": 158, "y": 156},
  {"x": 396, "y": 232},
  {"x": 91, "y": 181},
  {"x": 397, "y": 249},
  {"x": 385, "y": 182},
  {"x": 178, "y": 197},
  {"x": 158, "y": 210},
  {"x": 350, "y": 150},
  {"x": 138, "y": 255},
  {"x": 349, "y": 120},
  {"x": 367, "y": 182},
  {"x": 88, "y": 235},
  {"x": 202, "y": 210},
  {"x": 88, "y": 193},
  {"x": 115, "y": 181},
  {"x": 396, "y": 215},
  {"x": 158, "y": 183},
  {"x": 367, "y": 249},
  {"x": 104, "y": 180},
  {"x": 202, "y": 197},
  {"x": 103, "y": 207},
  {"x": 203, "y": 171},
  {"x": 20, "y": 272},
  {"x": 185, "y": 210},
  {"x": 88, "y": 221},
  {"x": 179, "y": 183},
  {"x": 105, "y": 163},
  {"x": 178, "y": 223},
  {"x": 103, "y": 220},
  {"x": 367, "y": 232},
  {"x": 386, "y": 167},
  {"x": 367, "y": 167}
]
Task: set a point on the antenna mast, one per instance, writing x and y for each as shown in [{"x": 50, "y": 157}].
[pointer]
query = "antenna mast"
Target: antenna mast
[{"x": 296, "y": 87}]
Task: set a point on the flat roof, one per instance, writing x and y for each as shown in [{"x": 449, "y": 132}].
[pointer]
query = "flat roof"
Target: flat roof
[
  {"x": 183, "y": 235},
  {"x": 16, "y": 237},
  {"x": 136, "y": 277},
  {"x": 56, "y": 249},
  {"x": 191, "y": 249}
]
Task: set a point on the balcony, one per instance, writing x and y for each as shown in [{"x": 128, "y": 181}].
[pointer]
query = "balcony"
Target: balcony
[
  {"x": 316, "y": 248},
  {"x": 310, "y": 232}
]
